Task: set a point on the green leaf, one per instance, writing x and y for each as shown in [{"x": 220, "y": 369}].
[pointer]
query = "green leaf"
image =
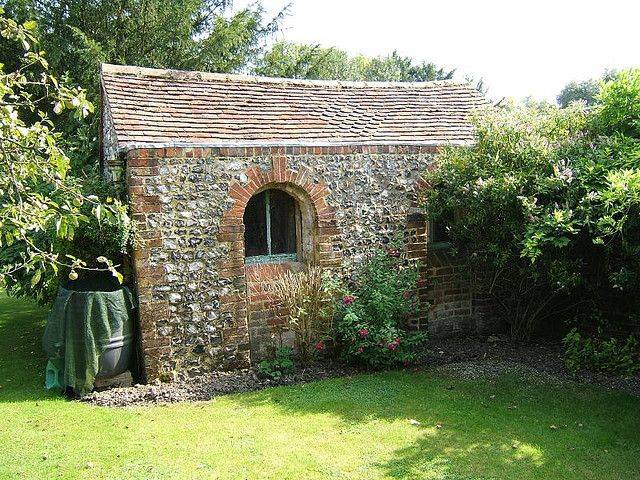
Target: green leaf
[
  {"x": 36, "y": 278},
  {"x": 30, "y": 25}
]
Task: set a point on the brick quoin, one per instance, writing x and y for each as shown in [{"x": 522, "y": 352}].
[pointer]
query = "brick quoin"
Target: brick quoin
[{"x": 150, "y": 311}]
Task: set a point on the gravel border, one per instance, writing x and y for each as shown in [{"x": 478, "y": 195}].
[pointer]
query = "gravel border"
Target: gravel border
[
  {"x": 467, "y": 358},
  {"x": 209, "y": 386}
]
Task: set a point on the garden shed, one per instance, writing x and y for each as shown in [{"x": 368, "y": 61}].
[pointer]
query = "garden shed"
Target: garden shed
[{"x": 234, "y": 179}]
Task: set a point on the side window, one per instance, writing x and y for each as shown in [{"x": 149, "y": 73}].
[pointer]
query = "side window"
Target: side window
[
  {"x": 270, "y": 227},
  {"x": 439, "y": 232}
]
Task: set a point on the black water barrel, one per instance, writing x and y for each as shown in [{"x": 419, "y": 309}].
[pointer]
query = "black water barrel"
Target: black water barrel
[{"x": 116, "y": 357}]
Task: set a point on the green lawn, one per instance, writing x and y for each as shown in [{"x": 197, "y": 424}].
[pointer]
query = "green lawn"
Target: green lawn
[{"x": 343, "y": 428}]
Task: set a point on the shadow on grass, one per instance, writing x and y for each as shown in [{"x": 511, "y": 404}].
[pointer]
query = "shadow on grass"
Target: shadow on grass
[
  {"x": 492, "y": 428},
  {"x": 22, "y": 360}
]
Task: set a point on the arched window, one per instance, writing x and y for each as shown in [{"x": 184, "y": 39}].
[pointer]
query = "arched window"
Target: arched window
[{"x": 271, "y": 222}]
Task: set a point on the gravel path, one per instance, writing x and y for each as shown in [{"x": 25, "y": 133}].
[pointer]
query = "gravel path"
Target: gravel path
[{"x": 463, "y": 358}]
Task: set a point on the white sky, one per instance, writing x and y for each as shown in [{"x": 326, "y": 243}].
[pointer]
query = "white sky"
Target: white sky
[{"x": 519, "y": 47}]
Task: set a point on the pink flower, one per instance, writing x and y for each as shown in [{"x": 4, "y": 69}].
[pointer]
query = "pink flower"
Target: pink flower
[
  {"x": 393, "y": 252},
  {"x": 348, "y": 299},
  {"x": 320, "y": 345},
  {"x": 363, "y": 332},
  {"x": 393, "y": 345},
  {"x": 360, "y": 350},
  {"x": 406, "y": 295}
]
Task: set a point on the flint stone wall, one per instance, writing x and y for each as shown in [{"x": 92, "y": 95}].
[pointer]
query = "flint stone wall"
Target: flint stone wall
[{"x": 201, "y": 308}]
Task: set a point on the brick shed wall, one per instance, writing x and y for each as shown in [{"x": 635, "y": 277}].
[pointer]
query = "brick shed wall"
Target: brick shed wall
[{"x": 201, "y": 308}]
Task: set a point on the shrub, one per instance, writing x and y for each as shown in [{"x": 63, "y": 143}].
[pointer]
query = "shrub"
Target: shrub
[
  {"x": 371, "y": 314},
  {"x": 601, "y": 354},
  {"x": 546, "y": 206},
  {"x": 306, "y": 298},
  {"x": 282, "y": 364}
]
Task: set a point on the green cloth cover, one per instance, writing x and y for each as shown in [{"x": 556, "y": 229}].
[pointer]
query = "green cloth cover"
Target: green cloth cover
[{"x": 78, "y": 330}]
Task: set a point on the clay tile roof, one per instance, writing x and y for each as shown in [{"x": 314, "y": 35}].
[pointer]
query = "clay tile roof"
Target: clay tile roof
[{"x": 168, "y": 107}]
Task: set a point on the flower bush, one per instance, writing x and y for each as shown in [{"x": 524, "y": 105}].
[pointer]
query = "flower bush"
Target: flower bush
[{"x": 372, "y": 312}]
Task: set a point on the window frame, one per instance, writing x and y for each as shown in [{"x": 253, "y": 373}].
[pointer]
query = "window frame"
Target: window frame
[{"x": 275, "y": 257}]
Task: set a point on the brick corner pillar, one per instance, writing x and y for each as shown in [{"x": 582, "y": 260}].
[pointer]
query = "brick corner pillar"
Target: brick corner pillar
[
  {"x": 141, "y": 164},
  {"x": 416, "y": 235}
]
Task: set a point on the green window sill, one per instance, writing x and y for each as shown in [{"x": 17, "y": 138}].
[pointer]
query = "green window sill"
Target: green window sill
[{"x": 277, "y": 258}]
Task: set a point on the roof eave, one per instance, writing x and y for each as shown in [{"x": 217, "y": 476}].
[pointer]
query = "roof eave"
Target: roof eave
[{"x": 127, "y": 146}]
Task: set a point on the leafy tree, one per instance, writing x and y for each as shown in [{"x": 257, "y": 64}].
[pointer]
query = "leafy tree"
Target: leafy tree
[
  {"x": 585, "y": 91},
  {"x": 292, "y": 60},
  {"x": 397, "y": 68},
  {"x": 546, "y": 206},
  {"x": 41, "y": 206}
]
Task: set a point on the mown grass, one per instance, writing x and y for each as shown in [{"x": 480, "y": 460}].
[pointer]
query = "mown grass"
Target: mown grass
[{"x": 387, "y": 425}]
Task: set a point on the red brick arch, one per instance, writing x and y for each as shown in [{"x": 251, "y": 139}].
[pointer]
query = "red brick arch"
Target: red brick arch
[{"x": 279, "y": 174}]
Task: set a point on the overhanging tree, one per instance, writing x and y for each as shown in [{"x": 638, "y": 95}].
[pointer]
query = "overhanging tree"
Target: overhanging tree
[{"x": 41, "y": 205}]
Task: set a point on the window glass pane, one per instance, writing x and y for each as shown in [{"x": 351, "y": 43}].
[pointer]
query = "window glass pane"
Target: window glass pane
[
  {"x": 283, "y": 222},
  {"x": 255, "y": 226}
]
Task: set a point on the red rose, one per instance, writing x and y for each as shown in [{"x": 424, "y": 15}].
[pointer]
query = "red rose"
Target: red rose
[
  {"x": 348, "y": 299},
  {"x": 361, "y": 349},
  {"x": 406, "y": 295},
  {"x": 363, "y": 332},
  {"x": 320, "y": 345}
]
